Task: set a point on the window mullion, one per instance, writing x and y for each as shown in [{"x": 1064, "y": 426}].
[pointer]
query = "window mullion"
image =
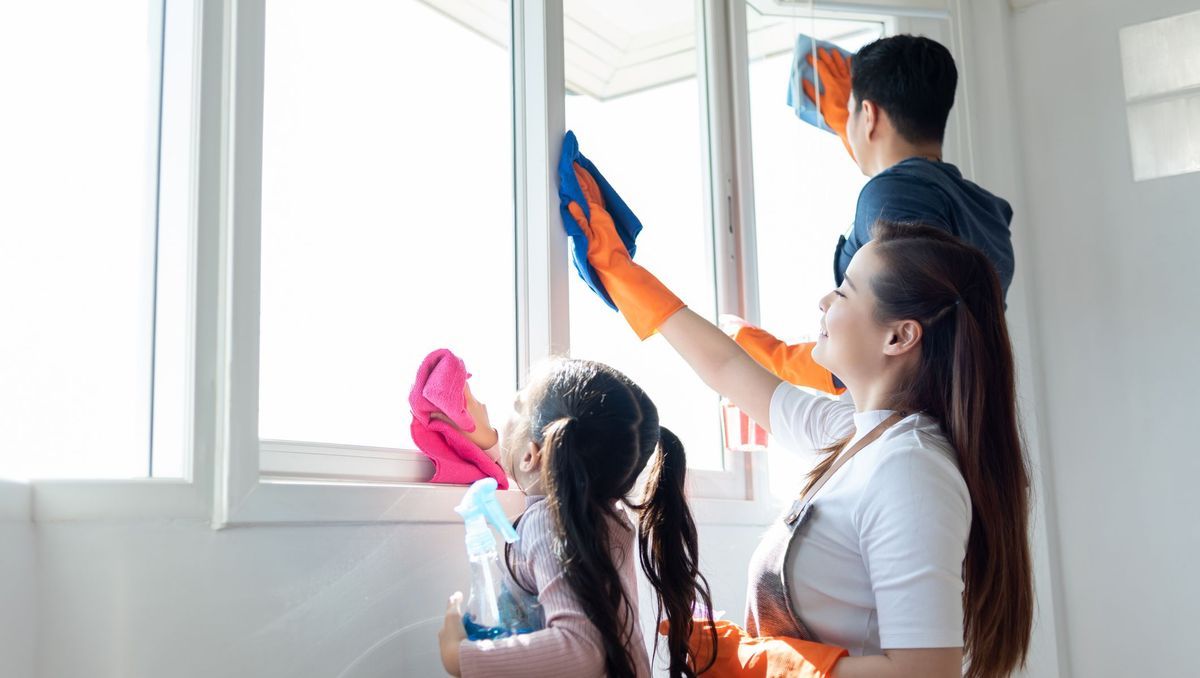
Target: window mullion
[
  {"x": 538, "y": 124},
  {"x": 724, "y": 92},
  {"x": 240, "y": 250},
  {"x": 207, "y": 195}
]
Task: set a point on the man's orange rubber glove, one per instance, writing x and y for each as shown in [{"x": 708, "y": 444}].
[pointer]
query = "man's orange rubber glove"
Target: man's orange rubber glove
[
  {"x": 739, "y": 655},
  {"x": 833, "y": 70},
  {"x": 644, "y": 301},
  {"x": 792, "y": 363}
]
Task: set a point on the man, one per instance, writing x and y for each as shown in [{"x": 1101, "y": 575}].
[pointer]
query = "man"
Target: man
[{"x": 889, "y": 105}]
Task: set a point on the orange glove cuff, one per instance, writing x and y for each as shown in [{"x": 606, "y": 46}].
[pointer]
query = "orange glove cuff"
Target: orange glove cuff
[{"x": 793, "y": 364}]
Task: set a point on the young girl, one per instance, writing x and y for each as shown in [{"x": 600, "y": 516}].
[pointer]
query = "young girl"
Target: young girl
[{"x": 580, "y": 436}]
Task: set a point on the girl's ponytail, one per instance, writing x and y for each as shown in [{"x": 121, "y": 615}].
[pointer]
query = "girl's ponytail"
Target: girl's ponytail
[
  {"x": 597, "y": 431},
  {"x": 579, "y": 508},
  {"x": 669, "y": 550}
]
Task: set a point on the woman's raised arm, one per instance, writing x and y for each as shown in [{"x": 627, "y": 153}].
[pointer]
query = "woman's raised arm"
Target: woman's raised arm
[{"x": 722, "y": 364}]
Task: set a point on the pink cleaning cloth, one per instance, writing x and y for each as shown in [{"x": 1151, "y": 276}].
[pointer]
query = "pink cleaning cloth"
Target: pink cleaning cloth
[{"x": 439, "y": 387}]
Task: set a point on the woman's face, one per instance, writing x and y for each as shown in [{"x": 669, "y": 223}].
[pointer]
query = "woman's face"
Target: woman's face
[{"x": 851, "y": 341}]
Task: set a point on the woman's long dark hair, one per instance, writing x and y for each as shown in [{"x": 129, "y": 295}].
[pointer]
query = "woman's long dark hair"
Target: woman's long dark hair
[
  {"x": 597, "y": 431},
  {"x": 965, "y": 379}
]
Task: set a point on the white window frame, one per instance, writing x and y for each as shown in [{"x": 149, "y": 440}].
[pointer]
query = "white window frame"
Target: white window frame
[
  {"x": 189, "y": 497},
  {"x": 247, "y": 496}
]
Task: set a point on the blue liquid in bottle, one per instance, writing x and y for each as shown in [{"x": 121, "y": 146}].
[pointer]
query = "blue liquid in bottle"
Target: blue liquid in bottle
[
  {"x": 520, "y": 611},
  {"x": 479, "y": 632}
]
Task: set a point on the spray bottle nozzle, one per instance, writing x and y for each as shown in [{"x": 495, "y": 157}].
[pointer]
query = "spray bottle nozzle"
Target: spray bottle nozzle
[{"x": 478, "y": 507}]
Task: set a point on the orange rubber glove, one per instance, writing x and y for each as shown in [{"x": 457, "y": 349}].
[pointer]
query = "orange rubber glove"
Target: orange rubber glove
[
  {"x": 644, "y": 301},
  {"x": 833, "y": 70},
  {"x": 793, "y": 364},
  {"x": 739, "y": 655}
]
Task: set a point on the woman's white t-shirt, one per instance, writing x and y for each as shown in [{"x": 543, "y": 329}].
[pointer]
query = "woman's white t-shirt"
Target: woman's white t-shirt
[{"x": 879, "y": 563}]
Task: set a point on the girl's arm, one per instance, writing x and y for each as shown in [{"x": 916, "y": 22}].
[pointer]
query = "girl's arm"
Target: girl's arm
[{"x": 570, "y": 644}]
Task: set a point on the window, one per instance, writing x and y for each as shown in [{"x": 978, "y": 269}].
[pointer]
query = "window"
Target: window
[
  {"x": 1161, "y": 61},
  {"x": 635, "y": 104},
  {"x": 805, "y": 187},
  {"x": 95, "y": 249},
  {"x": 387, "y": 147},
  {"x": 295, "y": 238},
  {"x": 805, "y": 184}
]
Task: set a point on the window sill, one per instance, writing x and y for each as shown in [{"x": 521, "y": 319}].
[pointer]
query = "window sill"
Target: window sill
[
  {"x": 347, "y": 483},
  {"x": 296, "y": 502},
  {"x": 287, "y": 460},
  {"x": 738, "y": 496},
  {"x": 135, "y": 499}
]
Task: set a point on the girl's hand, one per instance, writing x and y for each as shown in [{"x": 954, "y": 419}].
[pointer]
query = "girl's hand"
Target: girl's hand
[
  {"x": 452, "y": 634},
  {"x": 484, "y": 436}
]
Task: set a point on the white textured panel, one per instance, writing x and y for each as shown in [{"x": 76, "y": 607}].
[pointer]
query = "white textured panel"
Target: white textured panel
[
  {"x": 1163, "y": 56},
  {"x": 1164, "y": 137}
]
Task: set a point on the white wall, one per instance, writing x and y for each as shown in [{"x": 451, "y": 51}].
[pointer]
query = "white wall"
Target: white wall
[
  {"x": 172, "y": 598},
  {"x": 1113, "y": 286},
  {"x": 18, "y": 603},
  {"x": 145, "y": 599},
  {"x": 996, "y": 162}
]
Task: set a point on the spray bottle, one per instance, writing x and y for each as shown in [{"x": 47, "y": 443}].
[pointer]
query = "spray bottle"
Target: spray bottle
[{"x": 483, "y": 619}]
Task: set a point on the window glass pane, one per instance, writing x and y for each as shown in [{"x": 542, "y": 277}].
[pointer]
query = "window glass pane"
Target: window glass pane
[
  {"x": 634, "y": 103},
  {"x": 1161, "y": 65},
  {"x": 1161, "y": 57},
  {"x": 79, "y": 166},
  {"x": 174, "y": 269},
  {"x": 387, "y": 214},
  {"x": 1163, "y": 137},
  {"x": 805, "y": 187}
]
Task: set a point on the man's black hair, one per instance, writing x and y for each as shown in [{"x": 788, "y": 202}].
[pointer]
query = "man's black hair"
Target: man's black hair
[{"x": 911, "y": 78}]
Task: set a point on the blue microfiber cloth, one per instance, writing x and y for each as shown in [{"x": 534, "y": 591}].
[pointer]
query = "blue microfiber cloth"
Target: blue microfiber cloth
[
  {"x": 806, "y": 109},
  {"x": 623, "y": 218}
]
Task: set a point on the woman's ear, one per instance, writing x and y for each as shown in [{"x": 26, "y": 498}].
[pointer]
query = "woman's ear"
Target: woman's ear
[
  {"x": 904, "y": 337},
  {"x": 532, "y": 459}
]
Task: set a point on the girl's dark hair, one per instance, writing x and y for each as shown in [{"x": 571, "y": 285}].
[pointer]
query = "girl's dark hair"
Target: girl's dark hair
[
  {"x": 965, "y": 380},
  {"x": 597, "y": 431}
]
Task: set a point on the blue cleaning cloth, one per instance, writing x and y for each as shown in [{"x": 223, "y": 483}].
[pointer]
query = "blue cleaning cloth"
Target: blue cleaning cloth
[
  {"x": 806, "y": 109},
  {"x": 569, "y": 190}
]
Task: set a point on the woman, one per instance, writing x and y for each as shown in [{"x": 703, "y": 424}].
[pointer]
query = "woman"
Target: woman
[{"x": 907, "y": 544}]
